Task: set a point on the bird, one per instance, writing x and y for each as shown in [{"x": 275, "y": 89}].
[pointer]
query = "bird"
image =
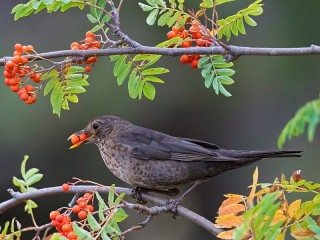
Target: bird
[{"x": 152, "y": 160}]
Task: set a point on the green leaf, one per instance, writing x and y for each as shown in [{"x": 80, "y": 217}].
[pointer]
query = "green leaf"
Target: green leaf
[
  {"x": 250, "y": 21},
  {"x": 31, "y": 172},
  {"x": 133, "y": 84},
  {"x": 111, "y": 195},
  {"x": 23, "y": 166},
  {"x": 240, "y": 26},
  {"x": 119, "y": 198},
  {"x": 57, "y": 98},
  {"x": 225, "y": 72},
  {"x": 149, "y": 91},
  {"x": 151, "y": 2},
  {"x": 225, "y": 80},
  {"x": 152, "y": 17},
  {"x": 154, "y": 71},
  {"x": 164, "y": 18},
  {"x": 223, "y": 90},
  {"x": 50, "y": 85},
  {"x": 18, "y": 182},
  {"x": 209, "y": 80},
  {"x": 94, "y": 225},
  {"x": 81, "y": 233},
  {"x": 174, "y": 19},
  {"x": 145, "y": 8},
  {"x": 153, "y": 79},
  {"x": 73, "y": 98},
  {"x": 120, "y": 215},
  {"x": 75, "y": 90},
  {"x": 76, "y": 76},
  {"x": 34, "y": 179},
  {"x": 120, "y": 63},
  {"x": 124, "y": 73},
  {"x": 161, "y": 3},
  {"x": 102, "y": 206},
  {"x": 92, "y": 19},
  {"x": 74, "y": 69}
]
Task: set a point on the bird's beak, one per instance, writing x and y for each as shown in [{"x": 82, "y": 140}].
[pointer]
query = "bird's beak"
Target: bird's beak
[{"x": 77, "y": 135}]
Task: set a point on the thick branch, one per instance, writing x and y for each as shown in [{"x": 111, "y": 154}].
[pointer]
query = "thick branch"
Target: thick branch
[
  {"x": 19, "y": 198},
  {"x": 235, "y": 51}
]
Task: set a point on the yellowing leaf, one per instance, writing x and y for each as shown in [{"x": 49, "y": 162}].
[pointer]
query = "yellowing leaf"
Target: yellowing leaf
[
  {"x": 253, "y": 187},
  {"x": 226, "y": 234},
  {"x": 232, "y": 208},
  {"x": 294, "y": 207},
  {"x": 279, "y": 216},
  {"x": 263, "y": 191},
  {"x": 231, "y": 199},
  {"x": 228, "y": 221},
  {"x": 302, "y": 233}
]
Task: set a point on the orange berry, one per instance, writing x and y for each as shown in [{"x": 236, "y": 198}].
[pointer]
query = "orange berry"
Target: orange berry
[
  {"x": 75, "y": 48},
  {"x": 178, "y": 30},
  {"x": 59, "y": 218},
  {"x": 171, "y": 34},
  {"x": 184, "y": 59},
  {"x": 24, "y": 96},
  {"x": 54, "y": 214},
  {"x": 7, "y": 81},
  {"x": 82, "y": 205},
  {"x": 65, "y": 187},
  {"x": 18, "y": 47},
  {"x": 90, "y": 208},
  {"x": 29, "y": 48},
  {"x": 37, "y": 78},
  {"x": 9, "y": 64},
  {"x": 88, "y": 40},
  {"x": 16, "y": 59},
  {"x": 24, "y": 59},
  {"x": 31, "y": 100},
  {"x": 14, "y": 81},
  {"x": 88, "y": 196},
  {"x": 184, "y": 34},
  {"x": 87, "y": 68},
  {"x": 66, "y": 227},
  {"x": 76, "y": 208},
  {"x": 75, "y": 139},
  {"x": 29, "y": 88},
  {"x": 83, "y": 136},
  {"x": 82, "y": 214},
  {"x": 14, "y": 88},
  {"x": 17, "y": 53},
  {"x": 196, "y": 57},
  {"x": 24, "y": 48},
  {"x": 194, "y": 63},
  {"x": 71, "y": 235},
  {"x": 54, "y": 223},
  {"x": 74, "y": 44},
  {"x": 90, "y": 34},
  {"x": 196, "y": 35},
  {"x": 186, "y": 44},
  {"x": 8, "y": 74},
  {"x": 81, "y": 199},
  {"x": 21, "y": 91}
]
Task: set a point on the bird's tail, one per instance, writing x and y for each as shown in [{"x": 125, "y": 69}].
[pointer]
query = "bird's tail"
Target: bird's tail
[{"x": 267, "y": 154}]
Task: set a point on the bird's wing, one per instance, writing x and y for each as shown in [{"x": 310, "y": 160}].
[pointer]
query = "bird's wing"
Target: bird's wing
[{"x": 148, "y": 144}]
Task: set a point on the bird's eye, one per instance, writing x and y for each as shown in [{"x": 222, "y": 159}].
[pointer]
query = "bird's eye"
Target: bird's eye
[{"x": 95, "y": 126}]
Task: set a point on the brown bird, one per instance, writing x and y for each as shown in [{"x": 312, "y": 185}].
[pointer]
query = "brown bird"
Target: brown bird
[{"x": 149, "y": 159}]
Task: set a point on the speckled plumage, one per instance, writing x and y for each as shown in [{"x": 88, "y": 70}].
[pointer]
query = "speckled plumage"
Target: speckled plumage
[{"x": 150, "y": 159}]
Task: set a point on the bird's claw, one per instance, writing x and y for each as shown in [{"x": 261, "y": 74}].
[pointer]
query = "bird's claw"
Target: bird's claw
[
  {"x": 174, "y": 204},
  {"x": 136, "y": 194}
]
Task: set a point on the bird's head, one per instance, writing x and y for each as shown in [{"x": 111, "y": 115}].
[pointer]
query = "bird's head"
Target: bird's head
[{"x": 97, "y": 129}]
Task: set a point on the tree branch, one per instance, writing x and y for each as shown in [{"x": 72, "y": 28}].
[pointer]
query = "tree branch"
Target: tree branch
[
  {"x": 235, "y": 51},
  {"x": 19, "y": 198}
]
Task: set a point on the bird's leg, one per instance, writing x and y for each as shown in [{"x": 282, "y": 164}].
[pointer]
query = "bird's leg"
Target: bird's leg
[
  {"x": 177, "y": 201},
  {"x": 137, "y": 191}
]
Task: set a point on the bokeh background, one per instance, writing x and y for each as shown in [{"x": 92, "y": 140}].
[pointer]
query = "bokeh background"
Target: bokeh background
[{"x": 266, "y": 94}]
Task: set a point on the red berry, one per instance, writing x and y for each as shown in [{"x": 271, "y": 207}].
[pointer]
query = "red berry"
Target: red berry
[
  {"x": 59, "y": 218},
  {"x": 90, "y": 34},
  {"x": 83, "y": 136},
  {"x": 71, "y": 235},
  {"x": 24, "y": 59},
  {"x": 54, "y": 223},
  {"x": 54, "y": 214},
  {"x": 171, "y": 34},
  {"x": 24, "y": 96},
  {"x": 178, "y": 30},
  {"x": 88, "y": 196},
  {"x": 21, "y": 91},
  {"x": 75, "y": 139},
  {"x": 90, "y": 208},
  {"x": 87, "y": 68},
  {"x": 29, "y": 88},
  {"x": 82, "y": 214},
  {"x": 37, "y": 78},
  {"x": 65, "y": 187},
  {"x": 14, "y": 88},
  {"x": 83, "y": 205},
  {"x": 18, "y": 47},
  {"x": 194, "y": 63},
  {"x": 76, "y": 208},
  {"x": 66, "y": 227},
  {"x": 9, "y": 64},
  {"x": 8, "y": 74},
  {"x": 184, "y": 59},
  {"x": 16, "y": 59},
  {"x": 7, "y": 81},
  {"x": 31, "y": 100},
  {"x": 186, "y": 44}
]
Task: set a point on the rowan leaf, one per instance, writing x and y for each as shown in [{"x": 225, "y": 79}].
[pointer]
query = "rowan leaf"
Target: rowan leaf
[
  {"x": 232, "y": 208},
  {"x": 294, "y": 207},
  {"x": 227, "y": 235},
  {"x": 228, "y": 221}
]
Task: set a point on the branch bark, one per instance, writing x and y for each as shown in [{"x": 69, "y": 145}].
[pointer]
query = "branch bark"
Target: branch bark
[
  {"x": 235, "y": 51},
  {"x": 19, "y": 198}
]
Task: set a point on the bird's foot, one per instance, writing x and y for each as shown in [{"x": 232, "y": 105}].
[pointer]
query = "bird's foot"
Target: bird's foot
[
  {"x": 136, "y": 194},
  {"x": 174, "y": 204}
]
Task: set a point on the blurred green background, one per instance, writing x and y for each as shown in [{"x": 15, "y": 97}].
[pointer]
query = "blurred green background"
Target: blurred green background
[{"x": 266, "y": 94}]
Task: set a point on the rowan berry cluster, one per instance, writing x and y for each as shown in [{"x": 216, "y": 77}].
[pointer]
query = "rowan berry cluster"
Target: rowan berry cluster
[
  {"x": 16, "y": 69},
  {"x": 89, "y": 43},
  {"x": 195, "y": 36},
  {"x": 62, "y": 221}
]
